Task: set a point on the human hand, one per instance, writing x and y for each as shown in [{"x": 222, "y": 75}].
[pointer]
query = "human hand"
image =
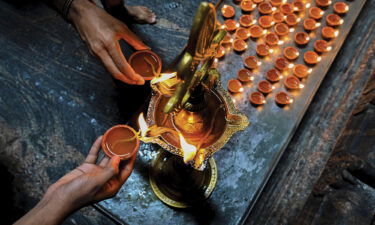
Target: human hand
[{"x": 101, "y": 32}]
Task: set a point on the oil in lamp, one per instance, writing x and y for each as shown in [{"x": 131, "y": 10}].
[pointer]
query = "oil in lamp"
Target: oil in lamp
[
  {"x": 292, "y": 19},
  {"x": 316, "y": 13},
  {"x": 256, "y": 31},
  {"x": 272, "y": 39},
  {"x": 301, "y": 38},
  {"x": 283, "y": 99},
  {"x": 291, "y": 53},
  {"x": 231, "y": 25},
  {"x": 311, "y": 57},
  {"x": 329, "y": 32},
  {"x": 266, "y": 21},
  {"x": 263, "y": 50},
  {"x": 235, "y": 86},
  {"x": 242, "y": 33},
  {"x": 247, "y": 5},
  {"x": 293, "y": 83},
  {"x": 252, "y": 62},
  {"x": 244, "y": 75},
  {"x": 340, "y": 8},
  {"x": 265, "y": 8},
  {"x": 257, "y": 98},
  {"x": 286, "y": 8},
  {"x": 247, "y": 20},
  {"x": 334, "y": 20},
  {"x": 281, "y": 29},
  {"x": 278, "y": 17},
  {"x": 310, "y": 24},
  {"x": 265, "y": 87},
  {"x": 282, "y": 64},
  {"x": 239, "y": 45},
  {"x": 273, "y": 75},
  {"x": 321, "y": 46},
  {"x": 301, "y": 71},
  {"x": 228, "y": 11}
]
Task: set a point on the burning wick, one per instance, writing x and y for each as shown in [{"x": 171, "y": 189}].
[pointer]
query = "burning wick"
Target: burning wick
[
  {"x": 189, "y": 151},
  {"x": 163, "y": 77}
]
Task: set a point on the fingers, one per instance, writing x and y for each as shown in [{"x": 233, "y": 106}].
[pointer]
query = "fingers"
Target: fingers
[
  {"x": 110, "y": 170},
  {"x": 127, "y": 169},
  {"x": 132, "y": 39},
  {"x": 93, "y": 153},
  {"x": 104, "y": 161}
]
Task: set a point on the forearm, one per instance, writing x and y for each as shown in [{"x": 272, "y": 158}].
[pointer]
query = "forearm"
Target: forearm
[{"x": 64, "y": 7}]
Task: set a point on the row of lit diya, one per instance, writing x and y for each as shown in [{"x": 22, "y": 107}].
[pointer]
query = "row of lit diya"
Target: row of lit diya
[{"x": 282, "y": 19}]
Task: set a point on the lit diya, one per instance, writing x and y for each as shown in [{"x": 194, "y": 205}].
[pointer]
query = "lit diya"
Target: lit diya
[
  {"x": 228, "y": 11},
  {"x": 273, "y": 75},
  {"x": 244, "y": 75},
  {"x": 310, "y": 24},
  {"x": 311, "y": 57},
  {"x": 321, "y": 46},
  {"x": 227, "y": 39},
  {"x": 252, "y": 62},
  {"x": 242, "y": 33},
  {"x": 235, "y": 86},
  {"x": 120, "y": 140},
  {"x": 277, "y": 2},
  {"x": 323, "y": 3},
  {"x": 292, "y": 83},
  {"x": 239, "y": 45},
  {"x": 247, "y": 5},
  {"x": 281, "y": 64},
  {"x": 266, "y": 21},
  {"x": 283, "y": 98},
  {"x": 340, "y": 7},
  {"x": 247, "y": 20},
  {"x": 231, "y": 25},
  {"x": 301, "y": 71},
  {"x": 281, "y": 29},
  {"x": 220, "y": 52},
  {"x": 316, "y": 13},
  {"x": 256, "y": 31},
  {"x": 257, "y": 98},
  {"x": 334, "y": 20},
  {"x": 265, "y": 86},
  {"x": 278, "y": 17},
  {"x": 146, "y": 63},
  {"x": 272, "y": 39},
  {"x": 263, "y": 49},
  {"x": 292, "y": 19},
  {"x": 265, "y": 8},
  {"x": 298, "y": 6},
  {"x": 287, "y": 8},
  {"x": 329, "y": 32},
  {"x": 301, "y": 38},
  {"x": 291, "y": 53}
]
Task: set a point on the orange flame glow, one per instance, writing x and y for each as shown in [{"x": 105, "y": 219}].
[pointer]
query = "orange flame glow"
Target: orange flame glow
[
  {"x": 189, "y": 151},
  {"x": 142, "y": 125},
  {"x": 163, "y": 77}
]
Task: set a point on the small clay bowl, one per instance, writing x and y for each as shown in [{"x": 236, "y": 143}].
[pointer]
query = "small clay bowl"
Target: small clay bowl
[
  {"x": 265, "y": 8},
  {"x": 263, "y": 49},
  {"x": 310, "y": 24},
  {"x": 271, "y": 39},
  {"x": 266, "y": 21},
  {"x": 256, "y": 31},
  {"x": 228, "y": 11},
  {"x": 246, "y": 20},
  {"x": 242, "y": 33},
  {"x": 292, "y": 83},
  {"x": 281, "y": 29},
  {"x": 244, "y": 75},
  {"x": 300, "y": 71},
  {"x": 316, "y": 13},
  {"x": 321, "y": 46},
  {"x": 278, "y": 17},
  {"x": 340, "y": 8},
  {"x": 120, "y": 140},
  {"x": 334, "y": 20},
  {"x": 257, "y": 1},
  {"x": 291, "y": 53},
  {"x": 286, "y": 8},
  {"x": 273, "y": 75},
  {"x": 265, "y": 86},
  {"x": 276, "y": 2},
  {"x": 227, "y": 39},
  {"x": 298, "y": 6},
  {"x": 257, "y": 98},
  {"x": 323, "y": 3},
  {"x": 329, "y": 32},
  {"x": 235, "y": 86},
  {"x": 247, "y": 5},
  {"x": 220, "y": 52},
  {"x": 146, "y": 63},
  {"x": 281, "y": 64},
  {"x": 282, "y": 98},
  {"x": 251, "y": 62},
  {"x": 292, "y": 19},
  {"x": 239, "y": 45},
  {"x": 301, "y": 38},
  {"x": 231, "y": 25},
  {"x": 311, "y": 57}
]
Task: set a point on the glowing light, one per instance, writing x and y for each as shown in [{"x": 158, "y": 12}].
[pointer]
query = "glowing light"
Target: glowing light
[
  {"x": 291, "y": 65},
  {"x": 330, "y": 2},
  {"x": 240, "y": 90},
  {"x": 222, "y": 27},
  {"x": 318, "y": 24},
  {"x": 308, "y": 5},
  {"x": 231, "y": 40},
  {"x": 299, "y": 20},
  {"x": 301, "y": 86},
  {"x": 280, "y": 77},
  {"x": 291, "y": 101},
  {"x": 189, "y": 151},
  {"x": 254, "y": 5},
  {"x": 237, "y": 25},
  {"x": 322, "y": 13},
  {"x": 252, "y": 78},
  {"x": 319, "y": 59},
  {"x": 329, "y": 48},
  {"x": 254, "y": 21},
  {"x": 142, "y": 125},
  {"x": 273, "y": 87},
  {"x": 336, "y": 33},
  {"x": 163, "y": 77},
  {"x": 271, "y": 50},
  {"x": 295, "y": 8},
  {"x": 291, "y": 29},
  {"x": 246, "y": 46},
  {"x": 309, "y": 70},
  {"x": 297, "y": 54},
  {"x": 216, "y": 60},
  {"x": 273, "y": 22},
  {"x": 284, "y": 17},
  {"x": 264, "y": 101},
  {"x": 346, "y": 8},
  {"x": 225, "y": 6},
  {"x": 273, "y": 9},
  {"x": 264, "y": 31},
  {"x": 308, "y": 38},
  {"x": 284, "y": 1},
  {"x": 280, "y": 42},
  {"x": 341, "y": 21},
  {"x": 259, "y": 63}
]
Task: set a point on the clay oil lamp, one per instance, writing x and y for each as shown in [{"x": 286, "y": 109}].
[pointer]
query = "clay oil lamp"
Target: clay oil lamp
[
  {"x": 242, "y": 33},
  {"x": 301, "y": 38},
  {"x": 283, "y": 99},
  {"x": 292, "y": 19},
  {"x": 281, "y": 29},
  {"x": 231, "y": 25},
  {"x": 278, "y": 17},
  {"x": 256, "y": 31},
  {"x": 247, "y": 20},
  {"x": 227, "y": 39},
  {"x": 277, "y": 2},
  {"x": 340, "y": 8},
  {"x": 291, "y": 53},
  {"x": 334, "y": 20},
  {"x": 252, "y": 62},
  {"x": 258, "y": 1},
  {"x": 273, "y": 75},
  {"x": 146, "y": 63},
  {"x": 228, "y": 11},
  {"x": 301, "y": 71},
  {"x": 311, "y": 57},
  {"x": 298, "y": 6},
  {"x": 239, "y": 45},
  {"x": 245, "y": 75},
  {"x": 265, "y": 87},
  {"x": 310, "y": 24},
  {"x": 282, "y": 64},
  {"x": 323, "y": 3},
  {"x": 235, "y": 86},
  {"x": 316, "y": 13},
  {"x": 287, "y": 8},
  {"x": 329, "y": 32},
  {"x": 293, "y": 83},
  {"x": 120, "y": 140},
  {"x": 272, "y": 39},
  {"x": 266, "y": 21},
  {"x": 265, "y": 8},
  {"x": 263, "y": 50},
  {"x": 247, "y": 5},
  {"x": 220, "y": 52},
  {"x": 257, "y": 98},
  {"x": 322, "y": 46}
]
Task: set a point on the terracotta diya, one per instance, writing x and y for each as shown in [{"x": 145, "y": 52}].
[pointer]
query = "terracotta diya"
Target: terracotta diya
[
  {"x": 276, "y": 2},
  {"x": 298, "y": 6},
  {"x": 265, "y": 8},
  {"x": 120, "y": 140},
  {"x": 292, "y": 19},
  {"x": 266, "y": 21},
  {"x": 228, "y": 11},
  {"x": 310, "y": 24},
  {"x": 263, "y": 49},
  {"x": 301, "y": 71},
  {"x": 265, "y": 86},
  {"x": 287, "y": 8},
  {"x": 273, "y": 75},
  {"x": 291, "y": 53},
  {"x": 146, "y": 63},
  {"x": 242, "y": 33},
  {"x": 246, "y": 20},
  {"x": 252, "y": 62},
  {"x": 256, "y": 31},
  {"x": 301, "y": 38},
  {"x": 247, "y": 5},
  {"x": 311, "y": 57},
  {"x": 281, "y": 29},
  {"x": 244, "y": 75},
  {"x": 340, "y": 7},
  {"x": 292, "y": 83},
  {"x": 283, "y": 98},
  {"x": 239, "y": 45},
  {"x": 323, "y": 3},
  {"x": 258, "y": 1},
  {"x": 257, "y": 98},
  {"x": 227, "y": 39},
  {"x": 316, "y": 13},
  {"x": 278, "y": 17},
  {"x": 271, "y": 39},
  {"x": 220, "y": 52},
  {"x": 235, "y": 86},
  {"x": 231, "y": 25},
  {"x": 321, "y": 46},
  {"x": 334, "y": 20},
  {"x": 281, "y": 64},
  {"x": 329, "y": 32}
]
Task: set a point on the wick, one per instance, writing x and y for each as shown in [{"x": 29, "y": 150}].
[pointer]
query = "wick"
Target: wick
[
  {"x": 152, "y": 66},
  {"x": 123, "y": 140}
]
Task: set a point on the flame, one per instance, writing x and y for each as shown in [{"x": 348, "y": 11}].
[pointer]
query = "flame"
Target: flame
[
  {"x": 142, "y": 125},
  {"x": 163, "y": 77},
  {"x": 189, "y": 151}
]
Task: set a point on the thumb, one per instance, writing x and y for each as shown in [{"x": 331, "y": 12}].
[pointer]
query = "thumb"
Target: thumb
[{"x": 111, "y": 169}]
